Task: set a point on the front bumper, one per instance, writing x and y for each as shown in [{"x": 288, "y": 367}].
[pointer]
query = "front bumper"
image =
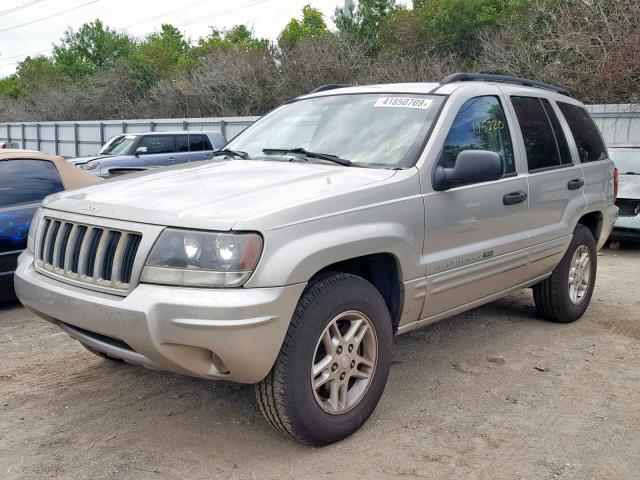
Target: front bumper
[{"x": 223, "y": 334}]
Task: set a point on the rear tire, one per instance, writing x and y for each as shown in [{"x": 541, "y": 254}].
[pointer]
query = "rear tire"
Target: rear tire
[
  {"x": 565, "y": 295},
  {"x": 333, "y": 364}
]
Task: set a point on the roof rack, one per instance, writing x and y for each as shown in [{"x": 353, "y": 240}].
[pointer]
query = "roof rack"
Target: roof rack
[
  {"x": 483, "y": 77},
  {"x": 331, "y": 86}
]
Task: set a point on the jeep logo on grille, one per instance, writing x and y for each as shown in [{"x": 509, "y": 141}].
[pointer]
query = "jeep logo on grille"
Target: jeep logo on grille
[{"x": 91, "y": 207}]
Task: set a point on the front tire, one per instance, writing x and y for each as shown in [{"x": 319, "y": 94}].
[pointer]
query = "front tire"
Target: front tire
[
  {"x": 565, "y": 295},
  {"x": 334, "y": 362}
]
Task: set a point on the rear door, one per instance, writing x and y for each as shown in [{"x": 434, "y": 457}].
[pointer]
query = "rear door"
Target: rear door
[
  {"x": 556, "y": 181},
  {"x": 193, "y": 147},
  {"x": 475, "y": 239}
]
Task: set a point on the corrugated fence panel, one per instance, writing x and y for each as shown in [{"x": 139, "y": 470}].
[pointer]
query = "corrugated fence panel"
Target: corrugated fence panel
[
  {"x": 71, "y": 139},
  {"x": 618, "y": 123}
]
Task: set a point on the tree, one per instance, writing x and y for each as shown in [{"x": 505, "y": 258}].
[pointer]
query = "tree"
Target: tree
[
  {"x": 91, "y": 49},
  {"x": 166, "y": 51},
  {"x": 311, "y": 27},
  {"x": 11, "y": 87},
  {"x": 455, "y": 25},
  {"x": 238, "y": 36},
  {"x": 363, "y": 23}
]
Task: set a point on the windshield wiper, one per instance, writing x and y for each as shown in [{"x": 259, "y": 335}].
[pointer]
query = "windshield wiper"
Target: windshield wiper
[
  {"x": 231, "y": 153},
  {"x": 308, "y": 154}
]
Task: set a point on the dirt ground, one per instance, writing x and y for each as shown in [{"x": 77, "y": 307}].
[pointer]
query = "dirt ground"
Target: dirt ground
[{"x": 495, "y": 393}]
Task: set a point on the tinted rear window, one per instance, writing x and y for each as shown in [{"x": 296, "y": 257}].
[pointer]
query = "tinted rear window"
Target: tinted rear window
[
  {"x": 587, "y": 136},
  {"x": 27, "y": 181},
  {"x": 544, "y": 141}
]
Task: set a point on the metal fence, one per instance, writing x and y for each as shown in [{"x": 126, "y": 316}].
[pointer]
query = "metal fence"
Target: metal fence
[
  {"x": 76, "y": 139},
  {"x": 618, "y": 123}
]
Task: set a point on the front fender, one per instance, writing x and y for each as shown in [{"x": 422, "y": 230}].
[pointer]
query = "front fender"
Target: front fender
[{"x": 293, "y": 254}]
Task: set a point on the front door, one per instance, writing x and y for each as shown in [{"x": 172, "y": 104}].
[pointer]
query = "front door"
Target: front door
[{"x": 476, "y": 240}]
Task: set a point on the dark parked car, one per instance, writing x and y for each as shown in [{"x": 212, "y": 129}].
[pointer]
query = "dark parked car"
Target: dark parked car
[
  {"x": 26, "y": 177},
  {"x": 152, "y": 149}
]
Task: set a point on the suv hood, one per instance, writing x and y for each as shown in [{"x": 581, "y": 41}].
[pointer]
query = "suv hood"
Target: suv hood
[
  {"x": 629, "y": 186},
  {"x": 215, "y": 195}
]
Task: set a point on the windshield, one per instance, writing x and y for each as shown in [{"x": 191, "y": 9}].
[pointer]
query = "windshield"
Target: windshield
[
  {"x": 118, "y": 145},
  {"x": 626, "y": 159},
  {"x": 378, "y": 130}
]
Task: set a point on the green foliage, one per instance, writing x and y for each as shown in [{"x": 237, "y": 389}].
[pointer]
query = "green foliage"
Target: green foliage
[
  {"x": 311, "y": 27},
  {"x": 166, "y": 51},
  {"x": 11, "y": 87},
  {"x": 90, "y": 50},
  {"x": 239, "y": 36},
  {"x": 364, "y": 22},
  {"x": 454, "y": 25}
]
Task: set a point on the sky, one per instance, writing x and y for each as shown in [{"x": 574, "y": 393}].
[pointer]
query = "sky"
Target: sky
[{"x": 138, "y": 17}]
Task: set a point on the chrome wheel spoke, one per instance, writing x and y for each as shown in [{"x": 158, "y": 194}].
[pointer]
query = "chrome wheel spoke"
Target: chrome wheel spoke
[
  {"x": 579, "y": 274},
  {"x": 344, "y": 362}
]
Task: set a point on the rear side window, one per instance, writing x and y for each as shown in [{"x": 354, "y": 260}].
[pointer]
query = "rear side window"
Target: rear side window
[
  {"x": 587, "y": 136},
  {"x": 192, "y": 143},
  {"x": 544, "y": 140},
  {"x": 27, "y": 181},
  {"x": 158, "y": 143},
  {"x": 479, "y": 125}
]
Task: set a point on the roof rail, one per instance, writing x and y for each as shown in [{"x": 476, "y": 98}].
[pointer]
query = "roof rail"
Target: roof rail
[
  {"x": 331, "y": 86},
  {"x": 483, "y": 77}
]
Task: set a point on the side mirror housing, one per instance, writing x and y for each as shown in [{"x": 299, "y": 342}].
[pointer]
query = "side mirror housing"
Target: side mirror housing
[
  {"x": 472, "y": 166},
  {"x": 140, "y": 150}
]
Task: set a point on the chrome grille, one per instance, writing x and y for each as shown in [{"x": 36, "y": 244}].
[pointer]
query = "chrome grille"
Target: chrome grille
[{"x": 86, "y": 253}]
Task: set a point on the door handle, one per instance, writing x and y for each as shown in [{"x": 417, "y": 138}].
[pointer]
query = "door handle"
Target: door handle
[
  {"x": 514, "y": 197},
  {"x": 575, "y": 184}
]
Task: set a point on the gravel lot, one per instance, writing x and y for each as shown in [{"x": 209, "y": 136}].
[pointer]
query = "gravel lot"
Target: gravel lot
[{"x": 494, "y": 393}]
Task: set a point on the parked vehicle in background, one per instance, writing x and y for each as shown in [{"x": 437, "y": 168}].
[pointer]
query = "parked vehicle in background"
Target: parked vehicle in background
[
  {"x": 627, "y": 159},
  {"x": 337, "y": 220},
  {"x": 12, "y": 145},
  {"x": 151, "y": 149},
  {"x": 26, "y": 177}
]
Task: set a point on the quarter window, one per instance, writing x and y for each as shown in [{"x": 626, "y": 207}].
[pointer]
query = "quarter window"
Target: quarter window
[
  {"x": 585, "y": 133},
  {"x": 544, "y": 140},
  {"x": 479, "y": 125},
  {"x": 158, "y": 143},
  {"x": 27, "y": 181}
]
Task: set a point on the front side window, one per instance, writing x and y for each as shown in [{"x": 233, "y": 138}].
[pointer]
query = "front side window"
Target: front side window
[
  {"x": 479, "y": 125},
  {"x": 544, "y": 140},
  {"x": 385, "y": 130},
  {"x": 118, "y": 145},
  {"x": 27, "y": 181},
  {"x": 192, "y": 143},
  {"x": 587, "y": 136},
  {"x": 158, "y": 143}
]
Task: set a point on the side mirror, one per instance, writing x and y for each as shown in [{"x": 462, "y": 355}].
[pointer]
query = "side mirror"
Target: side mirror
[
  {"x": 140, "y": 150},
  {"x": 472, "y": 166}
]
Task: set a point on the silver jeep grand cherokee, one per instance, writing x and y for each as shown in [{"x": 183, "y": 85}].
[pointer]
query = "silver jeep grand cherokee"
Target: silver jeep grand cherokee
[{"x": 336, "y": 221}]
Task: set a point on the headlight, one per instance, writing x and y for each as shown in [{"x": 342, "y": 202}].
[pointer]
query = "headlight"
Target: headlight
[
  {"x": 202, "y": 259},
  {"x": 31, "y": 236},
  {"x": 90, "y": 165}
]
